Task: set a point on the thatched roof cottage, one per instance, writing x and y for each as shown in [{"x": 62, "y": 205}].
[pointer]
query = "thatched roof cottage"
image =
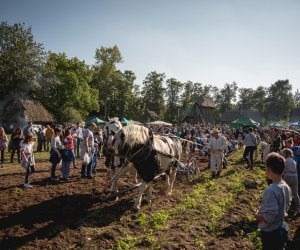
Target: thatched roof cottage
[{"x": 21, "y": 111}]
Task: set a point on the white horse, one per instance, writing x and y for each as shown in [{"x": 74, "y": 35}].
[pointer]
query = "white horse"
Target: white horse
[
  {"x": 150, "y": 155},
  {"x": 111, "y": 128}
]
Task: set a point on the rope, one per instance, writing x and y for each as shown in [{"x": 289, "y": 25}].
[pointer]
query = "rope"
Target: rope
[{"x": 174, "y": 136}]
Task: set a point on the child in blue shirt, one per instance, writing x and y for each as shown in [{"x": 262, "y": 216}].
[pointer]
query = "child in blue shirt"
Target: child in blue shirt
[
  {"x": 67, "y": 157},
  {"x": 274, "y": 206}
]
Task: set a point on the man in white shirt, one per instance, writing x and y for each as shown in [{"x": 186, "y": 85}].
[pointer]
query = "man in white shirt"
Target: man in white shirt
[
  {"x": 250, "y": 145},
  {"x": 87, "y": 150},
  {"x": 78, "y": 140},
  {"x": 217, "y": 145}
]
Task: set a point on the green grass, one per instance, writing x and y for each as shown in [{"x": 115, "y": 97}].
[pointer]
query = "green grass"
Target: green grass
[{"x": 213, "y": 198}]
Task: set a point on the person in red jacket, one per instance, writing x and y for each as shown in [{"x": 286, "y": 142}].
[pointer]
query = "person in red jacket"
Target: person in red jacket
[{"x": 70, "y": 140}]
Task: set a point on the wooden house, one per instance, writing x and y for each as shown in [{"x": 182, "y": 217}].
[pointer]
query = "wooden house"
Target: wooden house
[
  {"x": 21, "y": 111},
  {"x": 201, "y": 111}
]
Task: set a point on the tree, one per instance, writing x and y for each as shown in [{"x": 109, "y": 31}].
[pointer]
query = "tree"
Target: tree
[
  {"x": 105, "y": 73},
  {"x": 246, "y": 98},
  {"x": 297, "y": 98},
  {"x": 136, "y": 103},
  {"x": 225, "y": 97},
  {"x": 65, "y": 85},
  {"x": 153, "y": 93},
  {"x": 173, "y": 90},
  {"x": 279, "y": 100},
  {"x": 121, "y": 89},
  {"x": 259, "y": 99},
  {"x": 186, "y": 96},
  {"x": 21, "y": 59}
]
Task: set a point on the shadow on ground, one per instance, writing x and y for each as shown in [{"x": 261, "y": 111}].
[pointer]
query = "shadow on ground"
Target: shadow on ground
[{"x": 68, "y": 211}]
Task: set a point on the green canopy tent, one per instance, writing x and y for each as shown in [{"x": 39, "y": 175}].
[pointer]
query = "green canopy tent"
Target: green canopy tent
[
  {"x": 243, "y": 122},
  {"x": 95, "y": 120},
  {"x": 134, "y": 122},
  {"x": 126, "y": 122}
]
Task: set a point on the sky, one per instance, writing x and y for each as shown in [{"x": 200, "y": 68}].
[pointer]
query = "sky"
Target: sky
[{"x": 251, "y": 42}]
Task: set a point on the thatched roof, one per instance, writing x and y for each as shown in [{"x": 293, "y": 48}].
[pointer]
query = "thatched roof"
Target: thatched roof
[
  {"x": 30, "y": 110},
  {"x": 203, "y": 101},
  {"x": 207, "y": 102}
]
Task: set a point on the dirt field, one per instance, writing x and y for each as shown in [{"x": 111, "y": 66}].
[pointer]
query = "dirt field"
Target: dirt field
[{"x": 199, "y": 215}]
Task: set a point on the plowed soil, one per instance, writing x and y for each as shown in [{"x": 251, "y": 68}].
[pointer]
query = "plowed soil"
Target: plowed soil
[{"x": 59, "y": 215}]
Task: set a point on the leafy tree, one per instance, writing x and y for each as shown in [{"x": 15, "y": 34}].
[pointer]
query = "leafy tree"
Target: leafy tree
[
  {"x": 153, "y": 93},
  {"x": 186, "y": 96},
  {"x": 173, "y": 90},
  {"x": 65, "y": 85},
  {"x": 21, "y": 59},
  {"x": 246, "y": 98},
  {"x": 259, "y": 99},
  {"x": 121, "y": 93},
  {"x": 225, "y": 97},
  {"x": 136, "y": 104},
  {"x": 279, "y": 100},
  {"x": 105, "y": 73},
  {"x": 297, "y": 98}
]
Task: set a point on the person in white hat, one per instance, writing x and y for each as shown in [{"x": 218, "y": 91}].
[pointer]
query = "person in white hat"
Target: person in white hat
[{"x": 217, "y": 145}]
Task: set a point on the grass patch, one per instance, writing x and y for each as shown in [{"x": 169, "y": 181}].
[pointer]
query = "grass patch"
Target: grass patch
[{"x": 202, "y": 208}]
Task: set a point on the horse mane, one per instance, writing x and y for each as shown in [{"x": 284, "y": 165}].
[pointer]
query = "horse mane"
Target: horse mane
[{"x": 133, "y": 135}]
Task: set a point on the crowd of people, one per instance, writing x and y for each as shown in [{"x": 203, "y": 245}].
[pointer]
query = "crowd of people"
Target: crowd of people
[
  {"x": 64, "y": 144},
  {"x": 279, "y": 149}
]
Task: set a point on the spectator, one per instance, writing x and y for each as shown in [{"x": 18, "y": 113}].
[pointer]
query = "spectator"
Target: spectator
[
  {"x": 27, "y": 158},
  {"x": 291, "y": 177},
  {"x": 87, "y": 151},
  {"x": 250, "y": 145},
  {"x": 28, "y": 129},
  {"x": 40, "y": 139},
  {"x": 48, "y": 135},
  {"x": 16, "y": 139},
  {"x": 274, "y": 206},
  {"x": 276, "y": 143},
  {"x": 79, "y": 139},
  {"x": 55, "y": 155},
  {"x": 70, "y": 140},
  {"x": 3, "y": 144},
  {"x": 67, "y": 156}
]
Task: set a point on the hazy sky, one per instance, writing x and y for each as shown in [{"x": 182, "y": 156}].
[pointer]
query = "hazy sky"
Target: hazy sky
[{"x": 252, "y": 42}]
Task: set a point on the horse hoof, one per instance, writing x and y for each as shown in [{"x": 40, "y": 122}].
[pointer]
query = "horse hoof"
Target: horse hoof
[
  {"x": 117, "y": 198},
  {"x": 135, "y": 209},
  {"x": 149, "y": 202}
]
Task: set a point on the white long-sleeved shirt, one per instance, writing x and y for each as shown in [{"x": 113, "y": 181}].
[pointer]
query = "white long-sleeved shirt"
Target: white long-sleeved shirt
[{"x": 217, "y": 144}]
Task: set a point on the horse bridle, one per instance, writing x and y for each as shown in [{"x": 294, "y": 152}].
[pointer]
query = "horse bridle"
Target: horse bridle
[{"x": 124, "y": 157}]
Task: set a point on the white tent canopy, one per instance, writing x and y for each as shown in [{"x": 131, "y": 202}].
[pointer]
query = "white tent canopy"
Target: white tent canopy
[
  {"x": 295, "y": 123},
  {"x": 159, "y": 123}
]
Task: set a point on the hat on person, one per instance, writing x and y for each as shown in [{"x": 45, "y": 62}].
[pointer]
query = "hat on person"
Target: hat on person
[{"x": 215, "y": 131}]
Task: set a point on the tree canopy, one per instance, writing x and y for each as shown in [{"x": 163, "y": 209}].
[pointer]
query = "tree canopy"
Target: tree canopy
[
  {"x": 64, "y": 84},
  {"x": 72, "y": 90},
  {"x": 21, "y": 60}
]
